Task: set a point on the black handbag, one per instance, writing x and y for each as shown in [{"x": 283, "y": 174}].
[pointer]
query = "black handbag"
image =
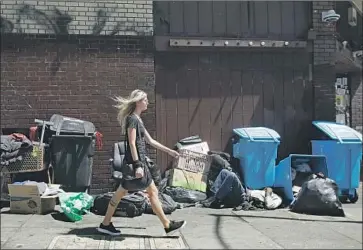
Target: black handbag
[{"x": 127, "y": 169}]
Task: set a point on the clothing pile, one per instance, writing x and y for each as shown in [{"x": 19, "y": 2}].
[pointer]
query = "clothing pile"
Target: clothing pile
[{"x": 14, "y": 148}]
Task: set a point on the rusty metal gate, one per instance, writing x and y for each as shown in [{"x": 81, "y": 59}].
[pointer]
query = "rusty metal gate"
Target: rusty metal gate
[{"x": 209, "y": 94}]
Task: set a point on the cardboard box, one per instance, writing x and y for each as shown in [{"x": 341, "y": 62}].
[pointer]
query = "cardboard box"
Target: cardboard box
[
  {"x": 26, "y": 199},
  {"x": 188, "y": 180}
]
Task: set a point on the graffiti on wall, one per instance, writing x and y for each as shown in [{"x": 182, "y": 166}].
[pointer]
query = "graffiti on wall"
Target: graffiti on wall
[
  {"x": 6, "y": 26},
  {"x": 57, "y": 22}
]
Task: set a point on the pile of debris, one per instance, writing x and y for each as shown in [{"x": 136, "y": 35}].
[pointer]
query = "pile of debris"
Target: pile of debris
[{"x": 198, "y": 177}]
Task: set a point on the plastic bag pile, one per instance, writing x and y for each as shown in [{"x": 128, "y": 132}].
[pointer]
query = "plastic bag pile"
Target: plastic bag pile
[
  {"x": 318, "y": 196},
  {"x": 75, "y": 205}
]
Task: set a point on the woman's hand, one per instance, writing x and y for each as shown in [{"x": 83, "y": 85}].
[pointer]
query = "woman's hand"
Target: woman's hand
[
  {"x": 139, "y": 173},
  {"x": 173, "y": 153}
]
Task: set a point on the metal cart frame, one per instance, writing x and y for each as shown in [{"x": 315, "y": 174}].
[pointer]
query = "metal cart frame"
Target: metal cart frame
[{"x": 33, "y": 160}]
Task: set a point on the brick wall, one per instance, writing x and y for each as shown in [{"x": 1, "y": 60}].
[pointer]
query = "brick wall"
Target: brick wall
[
  {"x": 357, "y": 99},
  {"x": 324, "y": 72},
  {"x": 91, "y": 71},
  {"x": 324, "y": 44},
  {"x": 356, "y": 88},
  {"x": 99, "y": 17},
  {"x": 75, "y": 69},
  {"x": 323, "y": 63}
]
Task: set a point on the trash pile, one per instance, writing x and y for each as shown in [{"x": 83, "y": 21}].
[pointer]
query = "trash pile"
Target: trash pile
[
  {"x": 198, "y": 177},
  {"x": 178, "y": 187},
  {"x": 31, "y": 197},
  {"x": 318, "y": 196},
  {"x": 205, "y": 178}
]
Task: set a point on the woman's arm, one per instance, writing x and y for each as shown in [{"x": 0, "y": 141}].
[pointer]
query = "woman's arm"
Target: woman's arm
[
  {"x": 132, "y": 142},
  {"x": 160, "y": 146}
]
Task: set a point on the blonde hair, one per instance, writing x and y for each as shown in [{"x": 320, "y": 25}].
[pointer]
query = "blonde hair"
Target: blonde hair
[{"x": 126, "y": 106}]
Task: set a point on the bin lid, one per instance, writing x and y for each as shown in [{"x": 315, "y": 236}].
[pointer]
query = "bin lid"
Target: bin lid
[
  {"x": 338, "y": 131},
  {"x": 257, "y": 133},
  {"x": 69, "y": 125}
]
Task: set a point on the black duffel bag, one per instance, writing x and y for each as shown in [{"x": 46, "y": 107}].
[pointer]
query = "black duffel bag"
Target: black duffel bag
[
  {"x": 131, "y": 205},
  {"x": 167, "y": 203}
]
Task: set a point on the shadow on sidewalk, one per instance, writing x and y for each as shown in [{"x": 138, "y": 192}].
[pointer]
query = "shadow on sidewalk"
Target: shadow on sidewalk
[
  {"x": 60, "y": 217},
  {"x": 217, "y": 227},
  {"x": 90, "y": 232},
  {"x": 7, "y": 211},
  {"x": 241, "y": 216},
  {"x": 217, "y": 231}
]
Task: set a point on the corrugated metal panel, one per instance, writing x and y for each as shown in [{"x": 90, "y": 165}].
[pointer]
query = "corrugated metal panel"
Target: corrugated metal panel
[
  {"x": 262, "y": 19},
  {"x": 210, "y": 93}
]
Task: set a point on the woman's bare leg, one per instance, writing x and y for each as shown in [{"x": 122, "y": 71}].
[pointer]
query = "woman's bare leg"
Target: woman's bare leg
[
  {"x": 156, "y": 205},
  {"x": 112, "y": 205}
]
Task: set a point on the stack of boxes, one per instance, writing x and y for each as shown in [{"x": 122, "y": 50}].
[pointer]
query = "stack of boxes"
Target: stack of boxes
[{"x": 191, "y": 169}]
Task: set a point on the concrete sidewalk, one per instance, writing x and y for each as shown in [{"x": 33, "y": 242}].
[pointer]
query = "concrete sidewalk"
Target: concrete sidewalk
[{"x": 206, "y": 229}]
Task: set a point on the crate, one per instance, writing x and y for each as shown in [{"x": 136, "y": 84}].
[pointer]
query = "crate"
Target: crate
[
  {"x": 192, "y": 161},
  {"x": 32, "y": 161}
]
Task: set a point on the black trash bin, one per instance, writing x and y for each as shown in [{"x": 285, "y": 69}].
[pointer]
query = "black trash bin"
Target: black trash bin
[{"x": 72, "y": 144}]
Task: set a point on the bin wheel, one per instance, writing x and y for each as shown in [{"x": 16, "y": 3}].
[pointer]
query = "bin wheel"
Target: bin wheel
[
  {"x": 354, "y": 197},
  {"x": 343, "y": 198}
]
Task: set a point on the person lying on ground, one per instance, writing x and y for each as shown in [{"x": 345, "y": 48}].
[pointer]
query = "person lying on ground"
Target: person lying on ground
[
  {"x": 228, "y": 190},
  {"x": 136, "y": 134}
]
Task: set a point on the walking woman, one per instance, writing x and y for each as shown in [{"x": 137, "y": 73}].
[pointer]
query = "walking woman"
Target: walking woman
[{"x": 136, "y": 134}]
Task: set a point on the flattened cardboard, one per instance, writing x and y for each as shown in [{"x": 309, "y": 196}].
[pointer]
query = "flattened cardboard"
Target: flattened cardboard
[
  {"x": 23, "y": 190},
  {"x": 188, "y": 180},
  {"x": 201, "y": 147}
]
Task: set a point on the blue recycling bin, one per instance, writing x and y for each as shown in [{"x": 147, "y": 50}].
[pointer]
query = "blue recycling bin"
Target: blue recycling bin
[
  {"x": 283, "y": 176},
  {"x": 256, "y": 149},
  {"x": 343, "y": 153}
]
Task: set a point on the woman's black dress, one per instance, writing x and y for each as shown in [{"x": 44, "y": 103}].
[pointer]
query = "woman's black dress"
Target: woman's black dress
[{"x": 137, "y": 184}]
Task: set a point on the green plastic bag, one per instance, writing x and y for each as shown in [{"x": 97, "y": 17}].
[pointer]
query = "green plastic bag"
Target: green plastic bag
[{"x": 75, "y": 205}]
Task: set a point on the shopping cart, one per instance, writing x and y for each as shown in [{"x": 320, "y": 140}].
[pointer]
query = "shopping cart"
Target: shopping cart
[{"x": 33, "y": 160}]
